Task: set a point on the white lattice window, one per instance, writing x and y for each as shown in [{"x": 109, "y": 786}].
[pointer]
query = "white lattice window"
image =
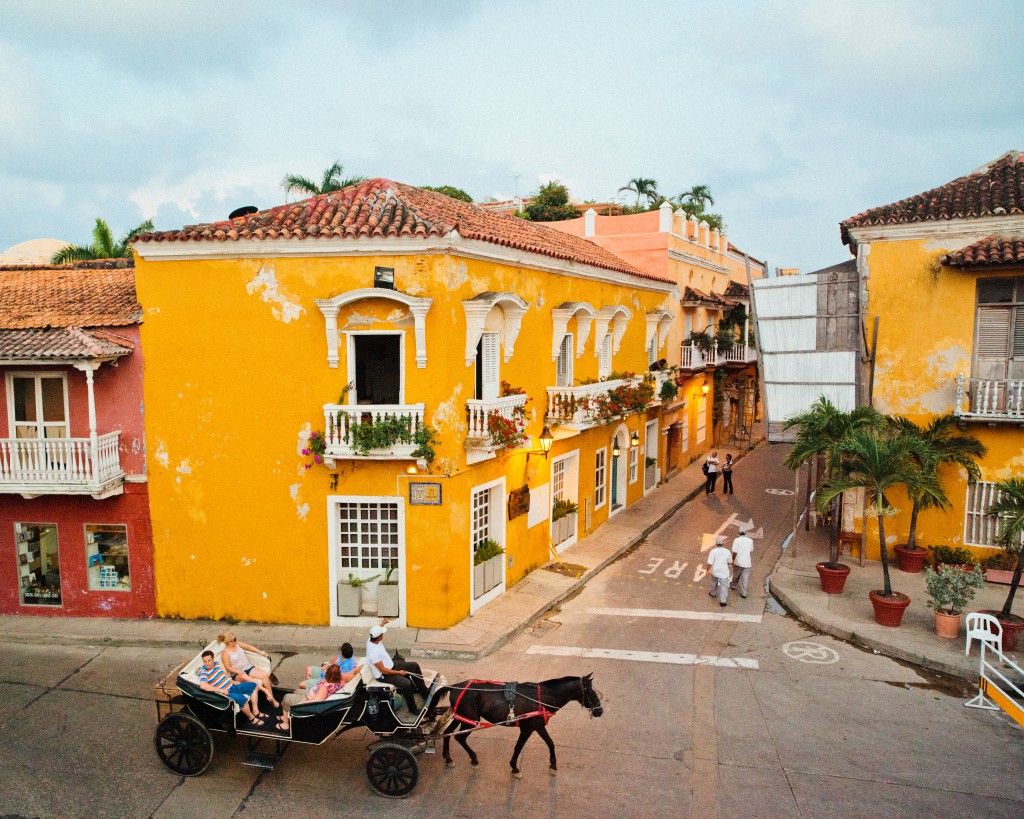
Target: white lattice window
[
  {"x": 480, "y": 526},
  {"x": 558, "y": 480},
  {"x": 368, "y": 535},
  {"x": 634, "y": 457},
  {"x": 980, "y": 527},
  {"x": 600, "y": 477}
]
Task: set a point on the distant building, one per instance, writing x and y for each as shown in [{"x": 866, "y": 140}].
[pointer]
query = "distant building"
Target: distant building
[
  {"x": 508, "y": 207},
  {"x": 34, "y": 251}
]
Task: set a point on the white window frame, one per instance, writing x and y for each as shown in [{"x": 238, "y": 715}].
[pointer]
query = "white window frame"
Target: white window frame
[
  {"x": 497, "y": 524},
  {"x": 600, "y": 477},
  {"x": 335, "y": 573},
  {"x": 569, "y": 489},
  {"x": 490, "y": 353},
  {"x": 350, "y": 352},
  {"x": 651, "y": 443},
  {"x": 980, "y": 528},
  {"x": 563, "y": 365},
  {"x": 38, "y": 375},
  {"x": 604, "y": 361},
  {"x": 634, "y": 460},
  {"x": 702, "y": 419}
]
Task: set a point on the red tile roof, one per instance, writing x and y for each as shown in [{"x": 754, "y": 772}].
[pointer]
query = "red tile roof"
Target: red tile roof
[
  {"x": 89, "y": 294},
  {"x": 735, "y": 290},
  {"x": 694, "y": 297},
  {"x": 60, "y": 344},
  {"x": 382, "y": 208},
  {"x": 992, "y": 251},
  {"x": 995, "y": 189}
]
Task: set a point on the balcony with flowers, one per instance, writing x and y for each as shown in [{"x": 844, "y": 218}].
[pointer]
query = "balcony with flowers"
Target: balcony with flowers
[
  {"x": 592, "y": 404},
  {"x": 496, "y": 423}
]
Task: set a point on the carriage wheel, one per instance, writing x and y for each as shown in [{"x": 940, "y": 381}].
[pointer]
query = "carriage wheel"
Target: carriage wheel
[
  {"x": 183, "y": 744},
  {"x": 392, "y": 770}
]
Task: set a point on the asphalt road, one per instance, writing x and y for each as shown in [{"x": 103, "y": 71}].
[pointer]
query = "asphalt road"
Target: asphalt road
[{"x": 753, "y": 715}]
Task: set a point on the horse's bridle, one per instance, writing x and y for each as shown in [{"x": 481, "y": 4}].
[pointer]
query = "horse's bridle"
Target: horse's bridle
[{"x": 583, "y": 698}]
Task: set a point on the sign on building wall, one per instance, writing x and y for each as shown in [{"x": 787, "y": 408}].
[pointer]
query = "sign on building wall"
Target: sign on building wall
[
  {"x": 424, "y": 494},
  {"x": 518, "y": 502}
]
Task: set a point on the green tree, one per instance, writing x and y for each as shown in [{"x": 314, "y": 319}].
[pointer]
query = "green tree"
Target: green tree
[
  {"x": 1009, "y": 508},
  {"x": 103, "y": 245},
  {"x": 551, "y": 204},
  {"x": 698, "y": 195},
  {"x": 450, "y": 190},
  {"x": 822, "y": 430},
  {"x": 643, "y": 188},
  {"x": 332, "y": 180},
  {"x": 941, "y": 444},
  {"x": 877, "y": 461}
]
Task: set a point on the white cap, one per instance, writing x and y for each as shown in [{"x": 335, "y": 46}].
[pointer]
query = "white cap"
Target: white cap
[
  {"x": 377, "y": 631},
  {"x": 743, "y": 530},
  {"x": 720, "y": 540}
]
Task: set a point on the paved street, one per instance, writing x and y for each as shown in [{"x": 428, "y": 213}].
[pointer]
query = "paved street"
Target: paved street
[{"x": 709, "y": 711}]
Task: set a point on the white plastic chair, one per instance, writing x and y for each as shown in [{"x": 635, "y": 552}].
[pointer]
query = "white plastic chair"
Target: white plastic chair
[{"x": 985, "y": 628}]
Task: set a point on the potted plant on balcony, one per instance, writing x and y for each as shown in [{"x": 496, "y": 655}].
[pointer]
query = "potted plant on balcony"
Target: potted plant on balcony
[
  {"x": 350, "y": 595},
  {"x": 387, "y": 593},
  {"x": 1009, "y": 509},
  {"x": 487, "y": 558},
  {"x": 507, "y": 433},
  {"x": 878, "y": 461},
  {"x": 669, "y": 388},
  {"x": 563, "y": 520},
  {"x": 940, "y": 443},
  {"x": 949, "y": 591}
]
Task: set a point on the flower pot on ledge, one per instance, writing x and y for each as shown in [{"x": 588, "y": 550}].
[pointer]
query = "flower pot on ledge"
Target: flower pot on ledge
[
  {"x": 889, "y": 610},
  {"x": 832, "y": 579},
  {"x": 909, "y": 559}
]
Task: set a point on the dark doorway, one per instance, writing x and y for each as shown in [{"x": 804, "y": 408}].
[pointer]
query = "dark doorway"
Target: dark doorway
[{"x": 378, "y": 369}]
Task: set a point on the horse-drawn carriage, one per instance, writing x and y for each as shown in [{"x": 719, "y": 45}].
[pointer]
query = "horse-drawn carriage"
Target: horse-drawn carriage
[{"x": 187, "y": 716}]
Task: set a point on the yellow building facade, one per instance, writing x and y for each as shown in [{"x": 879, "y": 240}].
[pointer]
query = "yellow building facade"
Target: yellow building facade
[
  {"x": 417, "y": 335},
  {"x": 944, "y": 273}
]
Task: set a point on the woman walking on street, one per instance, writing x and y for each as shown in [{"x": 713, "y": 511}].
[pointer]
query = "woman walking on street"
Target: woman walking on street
[{"x": 727, "y": 475}]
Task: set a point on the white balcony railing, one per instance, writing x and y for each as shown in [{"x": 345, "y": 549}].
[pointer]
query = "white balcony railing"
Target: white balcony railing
[
  {"x": 989, "y": 399},
  {"x": 740, "y": 353},
  {"x": 479, "y": 412},
  {"x": 343, "y": 425},
  {"x": 61, "y": 465},
  {"x": 691, "y": 358},
  {"x": 574, "y": 407}
]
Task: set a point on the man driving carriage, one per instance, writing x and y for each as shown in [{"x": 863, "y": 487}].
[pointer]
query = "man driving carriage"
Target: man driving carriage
[{"x": 405, "y": 676}]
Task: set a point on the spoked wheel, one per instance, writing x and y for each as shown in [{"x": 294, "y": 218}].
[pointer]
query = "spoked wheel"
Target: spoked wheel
[
  {"x": 392, "y": 770},
  {"x": 183, "y": 744}
]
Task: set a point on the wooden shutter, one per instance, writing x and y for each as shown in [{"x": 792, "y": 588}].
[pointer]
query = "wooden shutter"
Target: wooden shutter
[
  {"x": 605, "y": 363},
  {"x": 563, "y": 372},
  {"x": 993, "y": 345},
  {"x": 489, "y": 351}
]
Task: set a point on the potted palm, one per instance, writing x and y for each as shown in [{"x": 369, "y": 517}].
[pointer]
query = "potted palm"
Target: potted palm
[
  {"x": 949, "y": 591},
  {"x": 878, "y": 461},
  {"x": 350, "y": 595},
  {"x": 1009, "y": 509},
  {"x": 822, "y": 428},
  {"x": 387, "y": 593},
  {"x": 940, "y": 444}
]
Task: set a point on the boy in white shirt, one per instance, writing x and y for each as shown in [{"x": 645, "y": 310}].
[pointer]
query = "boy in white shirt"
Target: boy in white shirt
[{"x": 720, "y": 561}]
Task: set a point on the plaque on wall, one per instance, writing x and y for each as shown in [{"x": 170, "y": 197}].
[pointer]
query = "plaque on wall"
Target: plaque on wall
[
  {"x": 518, "y": 502},
  {"x": 424, "y": 494}
]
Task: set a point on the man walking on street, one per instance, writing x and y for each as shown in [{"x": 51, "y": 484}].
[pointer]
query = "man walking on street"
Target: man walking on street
[
  {"x": 719, "y": 559},
  {"x": 727, "y": 475},
  {"x": 712, "y": 473},
  {"x": 742, "y": 547}
]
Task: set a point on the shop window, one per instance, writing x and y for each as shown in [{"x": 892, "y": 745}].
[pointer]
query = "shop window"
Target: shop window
[
  {"x": 38, "y": 564},
  {"x": 106, "y": 555}
]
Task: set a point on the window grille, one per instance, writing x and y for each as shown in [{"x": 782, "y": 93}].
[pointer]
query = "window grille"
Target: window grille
[
  {"x": 600, "y": 478},
  {"x": 481, "y": 520},
  {"x": 368, "y": 535}
]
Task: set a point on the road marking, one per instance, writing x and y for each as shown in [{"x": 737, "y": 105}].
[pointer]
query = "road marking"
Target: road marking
[
  {"x": 645, "y": 656},
  {"x": 807, "y": 652},
  {"x": 679, "y": 615},
  {"x": 779, "y": 491},
  {"x": 707, "y": 540}
]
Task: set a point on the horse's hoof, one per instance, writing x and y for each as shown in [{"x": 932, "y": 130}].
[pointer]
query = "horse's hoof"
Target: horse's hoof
[
  {"x": 517, "y": 774},
  {"x": 449, "y": 764},
  {"x": 475, "y": 763},
  {"x": 553, "y": 771}
]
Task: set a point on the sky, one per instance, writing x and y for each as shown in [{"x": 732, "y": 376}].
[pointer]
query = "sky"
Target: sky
[{"x": 796, "y": 114}]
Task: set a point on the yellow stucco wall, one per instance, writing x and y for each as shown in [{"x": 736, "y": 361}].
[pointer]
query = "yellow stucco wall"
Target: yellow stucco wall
[
  {"x": 237, "y": 376},
  {"x": 926, "y": 336}
]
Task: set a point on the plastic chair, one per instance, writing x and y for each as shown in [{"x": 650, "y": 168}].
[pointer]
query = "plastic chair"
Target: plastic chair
[{"x": 985, "y": 628}]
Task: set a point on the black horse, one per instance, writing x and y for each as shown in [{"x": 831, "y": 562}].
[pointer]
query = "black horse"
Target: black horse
[{"x": 478, "y": 703}]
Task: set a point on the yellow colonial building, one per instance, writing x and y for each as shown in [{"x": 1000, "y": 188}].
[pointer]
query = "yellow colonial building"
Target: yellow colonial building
[
  {"x": 944, "y": 273},
  {"x": 465, "y": 384}
]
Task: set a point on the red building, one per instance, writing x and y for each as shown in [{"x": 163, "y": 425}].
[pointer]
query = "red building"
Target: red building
[{"x": 75, "y": 533}]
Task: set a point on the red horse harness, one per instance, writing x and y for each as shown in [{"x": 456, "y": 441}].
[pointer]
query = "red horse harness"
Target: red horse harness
[{"x": 542, "y": 711}]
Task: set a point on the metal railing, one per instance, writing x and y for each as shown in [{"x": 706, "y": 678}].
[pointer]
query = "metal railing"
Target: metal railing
[
  {"x": 60, "y": 463},
  {"x": 989, "y": 399}
]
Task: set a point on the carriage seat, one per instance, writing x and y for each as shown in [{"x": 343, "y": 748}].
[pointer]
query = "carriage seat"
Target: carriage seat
[
  {"x": 190, "y": 676},
  {"x": 339, "y": 699},
  {"x": 434, "y": 680}
]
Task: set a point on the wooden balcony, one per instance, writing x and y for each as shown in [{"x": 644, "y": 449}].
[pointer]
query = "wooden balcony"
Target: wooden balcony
[
  {"x": 62, "y": 466},
  {"x": 478, "y": 413},
  {"x": 344, "y": 426},
  {"x": 989, "y": 400}
]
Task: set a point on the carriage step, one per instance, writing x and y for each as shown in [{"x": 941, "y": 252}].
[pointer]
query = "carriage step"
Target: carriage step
[{"x": 265, "y": 762}]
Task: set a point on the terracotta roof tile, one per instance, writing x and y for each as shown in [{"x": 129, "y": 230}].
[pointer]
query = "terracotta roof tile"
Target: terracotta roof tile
[
  {"x": 91, "y": 294},
  {"x": 385, "y": 209},
  {"x": 61, "y": 344},
  {"x": 735, "y": 290},
  {"x": 992, "y": 251},
  {"x": 694, "y": 297},
  {"x": 995, "y": 189}
]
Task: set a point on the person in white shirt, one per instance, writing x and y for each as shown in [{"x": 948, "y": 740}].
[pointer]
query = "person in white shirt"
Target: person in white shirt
[
  {"x": 712, "y": 464},
  {"x": 742, "y": 547},
  {"x": 405, "y": 676},
  {"x": 720, "y": 559}
]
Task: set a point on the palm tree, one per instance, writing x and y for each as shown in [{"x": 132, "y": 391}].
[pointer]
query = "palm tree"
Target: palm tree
[
  {"x": 1009, "y": 508},
  {"x": 332, "y": 181},
  {"x": 103, "y": 245},
  {"x": 877, "y": 462},
  {"x": 699, "y": 195},
  {"x": 941, "y": 445},
  {"x": 823, "y": 428},
  {"x": 642, "y": 187}
]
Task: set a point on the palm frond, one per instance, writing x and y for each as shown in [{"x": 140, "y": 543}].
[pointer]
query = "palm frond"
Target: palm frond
[
  {"x": 73, "y": 253},
  {"x": 103, "y": 241},
  {"x": 1009, "y": 509},
  {"x": 299, "y": 184}
]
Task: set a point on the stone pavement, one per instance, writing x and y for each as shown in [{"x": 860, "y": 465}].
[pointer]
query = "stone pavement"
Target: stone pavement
[{"x": 850, "y": 616}]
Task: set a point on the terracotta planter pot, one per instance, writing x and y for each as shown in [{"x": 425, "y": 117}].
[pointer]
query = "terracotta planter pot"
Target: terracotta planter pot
[
  {"x": 1011, "y": 629},
  {"x": 1003, "y": 576},
  {"x": 947, "y": 625},
  {"x": 910, "y": 560},
  {"x": 832, "y": 580},
  {"x": 889, "y": 610}
]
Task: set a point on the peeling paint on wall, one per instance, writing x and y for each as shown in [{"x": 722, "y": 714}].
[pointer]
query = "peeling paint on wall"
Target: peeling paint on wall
[
  {"x": 247, "y": 561},
  {"x": 161, "y": 456},
  {"x": 458, "y": 275},
  {"x": 285, "y": 307},
  {"x": 358, "y": 320}
]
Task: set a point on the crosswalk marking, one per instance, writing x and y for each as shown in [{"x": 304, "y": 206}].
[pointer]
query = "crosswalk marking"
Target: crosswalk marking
[
  {"x": 679, "y": 615},
  {"x": 645, "y": 656}
]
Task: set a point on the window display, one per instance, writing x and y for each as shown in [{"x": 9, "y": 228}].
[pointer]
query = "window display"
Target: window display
[
  {"x": 38, "y": 563},
  {"x": 106, "y": 554}
]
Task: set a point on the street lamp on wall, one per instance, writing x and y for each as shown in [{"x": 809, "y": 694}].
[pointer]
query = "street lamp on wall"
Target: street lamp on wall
[
  {"x": 705, "y": 388},
  {"x": 545, "y": 443},
  {"x": 615, "y": 449},
  {"x": 634, "y": 439}
]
